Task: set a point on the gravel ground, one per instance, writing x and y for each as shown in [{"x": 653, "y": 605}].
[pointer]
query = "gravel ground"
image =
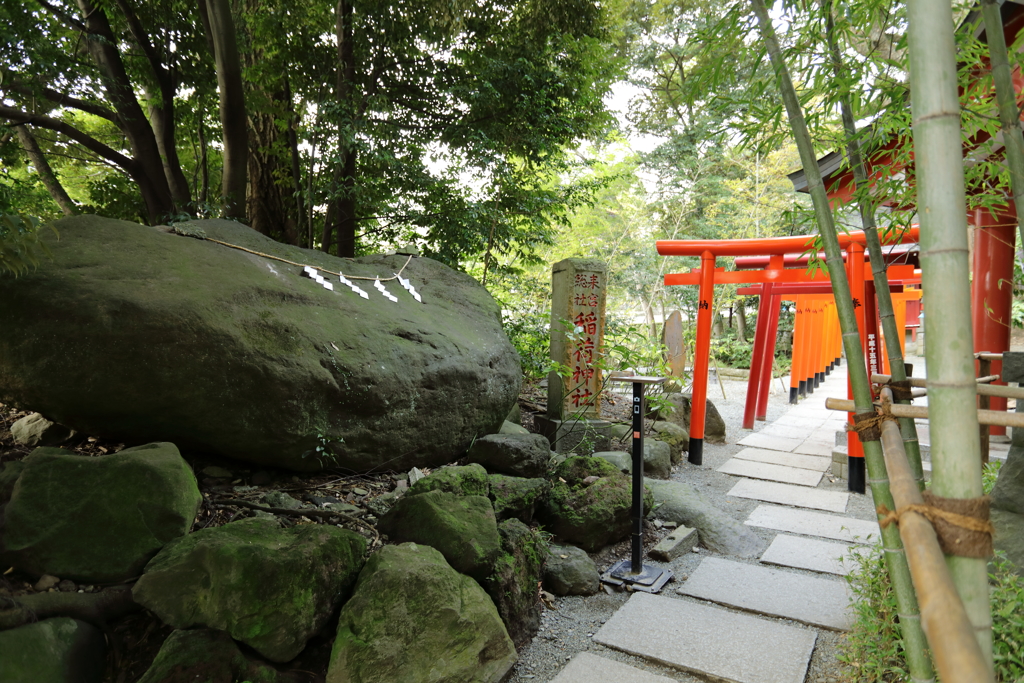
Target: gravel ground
[{"x": 569, "y": 626}]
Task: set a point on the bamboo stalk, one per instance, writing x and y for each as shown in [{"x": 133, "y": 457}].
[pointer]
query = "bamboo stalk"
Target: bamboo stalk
[
  {"x": 895, "y": 559},
  {"x": 886, "y": 313},
  {"x": 1006, "y": 95},
  {"x": 957, "y": 654},
  {"x": 941, "y": 208},
  {"x": 996, "y": 418}
]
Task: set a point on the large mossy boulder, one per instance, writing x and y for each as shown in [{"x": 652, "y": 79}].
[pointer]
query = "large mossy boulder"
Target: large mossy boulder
[
  {"x": 137, "y": 334},
  {"x": 589, "y": 503},
  {"x": 470, "y": 480},
  {"x": 462, "y": 528},
  {"x": 60, "y": 650},
  {"x": 516, "y": 497},
  {"x": 414, "y": 619},
  {"x": 718, "y": 530},
  {"x": 268, "y": 587},
  {"x": 517, "y": 455},
  {"x": 207, "y": 656},
  {"x": 97, "y": 520},
  {"x": 514, "y": 579}
]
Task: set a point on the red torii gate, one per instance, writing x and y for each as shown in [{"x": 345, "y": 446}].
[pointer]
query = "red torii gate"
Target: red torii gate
[{"x": 708, "y": 276}]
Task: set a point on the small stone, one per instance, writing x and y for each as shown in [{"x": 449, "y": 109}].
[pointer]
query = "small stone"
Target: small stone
[
  {"x": 360, "y": 491},
  {"x": 674, "y": 545},
  {"x": 45, "y": 583},
  {"x": 590, "y": 480},
  {"x": 67, "y": 586},
  {"x": 415, "y": 474},
  {"x": 658, "y": 524},
  {"x": 217, "y": 472},
  {"x": 670, "y": 525}
]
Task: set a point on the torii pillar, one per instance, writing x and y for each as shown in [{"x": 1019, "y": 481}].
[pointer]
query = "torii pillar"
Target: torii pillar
[{"x": 992, "y": 291}]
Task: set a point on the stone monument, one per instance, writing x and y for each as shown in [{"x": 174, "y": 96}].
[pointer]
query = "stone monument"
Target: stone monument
[
  {"x": 573, "y": 423},
  {"x": 675, "y": 349}
]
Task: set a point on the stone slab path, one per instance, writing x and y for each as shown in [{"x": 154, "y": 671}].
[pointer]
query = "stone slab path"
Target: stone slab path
[
  {"x": 806, "y": 462},
  {"x": 816, "y": 601},
  {"x": 810, "y": 553},
  {"x": 787, "y": 494},
  {"x": 586, "y": 667},
  {"x": 767, "y": 471},
  {"x": 711, "y": 641},
  {"x": 809, "y": 523}
]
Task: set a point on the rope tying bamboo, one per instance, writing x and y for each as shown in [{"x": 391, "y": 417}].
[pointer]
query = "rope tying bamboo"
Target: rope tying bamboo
[
  {"x": 868, "y": 425},
  {"x": 961, "y": 524},
  {"x": 901, "y": 390}
]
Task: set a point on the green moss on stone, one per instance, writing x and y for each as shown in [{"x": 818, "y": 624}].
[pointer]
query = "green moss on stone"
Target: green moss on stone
[{"x": 470, "y": 480}]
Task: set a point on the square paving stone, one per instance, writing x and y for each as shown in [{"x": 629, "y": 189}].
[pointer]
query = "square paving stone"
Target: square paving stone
[
  {"x": 809, "y": 523},
  {"x": 810, "y": 447},
  {"x": 813, "y": 600},
  {"x": 812, "y": 554},
  {"x": 787, "y": 494},
  {"x": 763, "y": 470},
  {"x": 775, "y": 443},
  {"x": 587, "y": 667},
  {"x": 710, "y": 641},
  {"x": 788, "y": 420},
  {"x": 786, "y": 431},
  {"x": 806, "y": 462}
]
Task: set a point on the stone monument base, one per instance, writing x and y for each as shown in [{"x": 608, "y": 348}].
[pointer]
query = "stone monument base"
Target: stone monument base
[{"x": 576, "y": 437}]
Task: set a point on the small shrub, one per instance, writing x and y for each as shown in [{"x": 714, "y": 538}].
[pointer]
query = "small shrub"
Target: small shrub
[
  {"x": 873, "y": 650},
  {"x": 989, "y": 475}
]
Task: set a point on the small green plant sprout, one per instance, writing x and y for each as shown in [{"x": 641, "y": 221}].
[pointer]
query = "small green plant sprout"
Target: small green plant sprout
[{"x": 20, "y": 246}]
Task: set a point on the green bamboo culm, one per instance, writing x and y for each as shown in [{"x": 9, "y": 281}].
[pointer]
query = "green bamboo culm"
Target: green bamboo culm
[
  {"x": 886, "y": 313},
  {"x": 952, "y": 403},
  {"x": 1006, "y": 96},
  {"x": 896, "y": 562}
]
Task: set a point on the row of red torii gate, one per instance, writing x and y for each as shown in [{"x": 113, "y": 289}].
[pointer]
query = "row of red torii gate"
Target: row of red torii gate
[{"x": 776, "y": 269}]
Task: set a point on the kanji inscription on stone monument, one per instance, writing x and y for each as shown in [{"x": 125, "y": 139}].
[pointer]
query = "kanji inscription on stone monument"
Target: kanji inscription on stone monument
[{"x": 577, "y": 333}]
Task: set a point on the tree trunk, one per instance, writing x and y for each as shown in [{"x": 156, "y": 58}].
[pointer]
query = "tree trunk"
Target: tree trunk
[
  {"x": 232, "y": 108},
  {"x": 741, "y": 320},
  {"x": 268, "y": 175},
  {"x": 46, "y": 174},
  {"x": 346, "y": 176},
  {"x": 102, "y": 46},
  {"x": 293, "y": 150}
]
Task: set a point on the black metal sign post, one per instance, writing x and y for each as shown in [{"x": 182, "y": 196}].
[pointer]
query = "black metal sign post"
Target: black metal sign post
[{"x": 632, "y": 572}]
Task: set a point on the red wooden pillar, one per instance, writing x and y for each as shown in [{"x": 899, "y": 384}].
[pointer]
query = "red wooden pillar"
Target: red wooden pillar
[
  {"x": 698, "y": 402},
  {"x": 769, "y": 355},
  {"x": 757, "y": 356},
  {"x": 992, "y": 292},
  {"x": 855, "y": 452}
]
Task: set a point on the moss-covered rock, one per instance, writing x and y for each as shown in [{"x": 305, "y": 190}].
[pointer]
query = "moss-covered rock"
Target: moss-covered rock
[
  {"x": 675, "y": 436},
  {"x": 514, "y": 579},
  {"x": 207, "y": 656},
  {"x": 462, "y": 528},
  {"x": 570, "y": 571},
  {"x": 414, "y": 619},
  {"x": 470, "y": 480},
  {"x": 60, "y": 650},
  {"x": 589, "y": 503},
  {"x": 171, "y": 338},
  {"x": 678, "y": 412},
  {"x": 517, "y": 455},
  {"x": 97, "y": 520},
  {"x": 268, "y": 587},
  {"x": 516, "y": 497},
  {"x": 9, "y": 473}
]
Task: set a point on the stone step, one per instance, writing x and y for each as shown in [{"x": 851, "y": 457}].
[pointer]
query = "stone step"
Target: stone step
[
  {"x": 787, "y": 494},
  {"x": 807, "y": 523},
  {"x": 806, "y": 462},
  {"x": 709, "y": 641},
  {"x": 812, "y": 554},
  {"x": 587, "y": 667},
  {"x": 818, "y": 445},
  {"x": 763, "y": 470},
  {"x": 813, "y": 600}
]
